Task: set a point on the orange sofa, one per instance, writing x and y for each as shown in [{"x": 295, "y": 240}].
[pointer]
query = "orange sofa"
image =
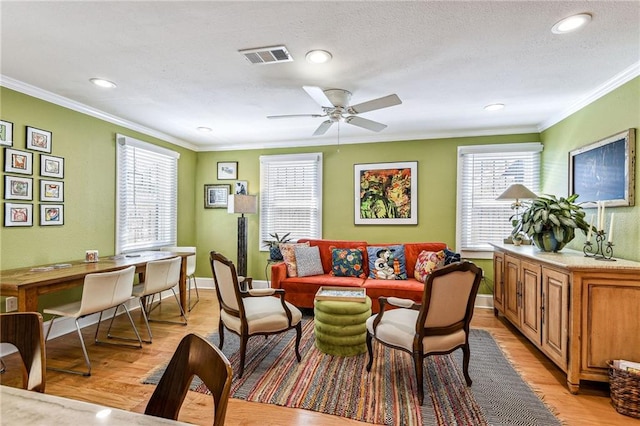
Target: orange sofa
[{"x": 301, "y": 291}]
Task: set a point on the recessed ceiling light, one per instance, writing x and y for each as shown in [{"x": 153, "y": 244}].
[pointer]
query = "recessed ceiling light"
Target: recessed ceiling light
[
  {"x": 204, "y": 129},
  {"x": 103, "y": 83},
  {"x": 571, "y": 23},
  {"x": 494, "y": 107},
  {"x": 318, "y": 56}
]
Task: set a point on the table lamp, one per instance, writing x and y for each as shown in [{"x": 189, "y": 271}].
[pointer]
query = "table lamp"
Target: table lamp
[
  {"x": 516, "y": 192},
  {"x": 242, "y": 204}
]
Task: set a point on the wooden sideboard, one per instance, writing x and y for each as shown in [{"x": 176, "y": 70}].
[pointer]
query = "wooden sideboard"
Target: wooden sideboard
[{"x": 580, "y": 312}]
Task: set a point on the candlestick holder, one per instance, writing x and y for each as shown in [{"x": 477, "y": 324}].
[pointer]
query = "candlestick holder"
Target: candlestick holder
[{"x": 601, "y": 250}]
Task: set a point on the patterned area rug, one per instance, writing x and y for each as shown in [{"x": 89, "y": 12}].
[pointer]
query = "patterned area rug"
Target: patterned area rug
[{"x": 387, "y": 395}]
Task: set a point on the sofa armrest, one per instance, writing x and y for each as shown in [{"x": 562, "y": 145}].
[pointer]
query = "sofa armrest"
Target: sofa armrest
[{"x": 278, "y": 273}]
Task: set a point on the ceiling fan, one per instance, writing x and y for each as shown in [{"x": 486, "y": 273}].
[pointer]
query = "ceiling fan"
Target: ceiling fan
[{"x": 335, "y": 105}]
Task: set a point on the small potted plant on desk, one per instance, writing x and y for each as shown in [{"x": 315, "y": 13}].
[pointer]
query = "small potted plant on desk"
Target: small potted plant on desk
[{"x": 274, "y": 245}]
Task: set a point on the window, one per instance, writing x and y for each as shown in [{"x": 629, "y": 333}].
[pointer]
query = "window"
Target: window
[
  {"x": 290, "y": 196},
  {"x": 484, "y": 172},
  {"x": 146, "y": 195}
]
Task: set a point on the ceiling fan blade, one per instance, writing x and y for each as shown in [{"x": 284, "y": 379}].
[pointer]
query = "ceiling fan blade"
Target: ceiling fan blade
[
  {"x": 365, "y": 124},
  {"x": 384, "y": 102},
  {"x": 296, "y": 116},
  {"x": 318, "y": 95},
  {"x": 322, "y": 129}
]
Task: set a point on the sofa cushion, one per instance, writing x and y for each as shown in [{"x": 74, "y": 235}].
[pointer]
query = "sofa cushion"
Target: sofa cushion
[
  {"x": 428, "y": 261},
  {"x": 387, "y": 262},
  {"x": 289, "y": 257},
  {"x": 308, "y": 261},
  {"x": 412, "y": 250},
  {"x": 347, "y": 262},
  {"x": 451, "y": 257},
  {"x": 325, "y": 250}
]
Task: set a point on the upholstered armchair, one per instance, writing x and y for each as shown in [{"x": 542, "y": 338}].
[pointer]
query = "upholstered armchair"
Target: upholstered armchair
[{"x": 439, "y": 325}]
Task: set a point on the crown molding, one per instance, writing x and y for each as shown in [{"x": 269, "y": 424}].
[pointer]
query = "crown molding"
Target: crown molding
[
  {"x": 36, "y": 92},
  {"x": 608, "y": 86}
]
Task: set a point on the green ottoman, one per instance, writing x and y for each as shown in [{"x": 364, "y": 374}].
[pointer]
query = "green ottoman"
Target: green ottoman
[{"x": 340, "y": 327}]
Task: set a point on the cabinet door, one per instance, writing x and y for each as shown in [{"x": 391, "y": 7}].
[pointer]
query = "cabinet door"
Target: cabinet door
[
  {"x": 498, "y": 282},
  {"x": 555, "y": 316},
  {"x": 512, "y": 289},
  {"x": 531, "y": 321}
]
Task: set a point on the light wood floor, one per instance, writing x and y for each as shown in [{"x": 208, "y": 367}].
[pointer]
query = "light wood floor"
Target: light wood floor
[{"x": 117, "y": 373}]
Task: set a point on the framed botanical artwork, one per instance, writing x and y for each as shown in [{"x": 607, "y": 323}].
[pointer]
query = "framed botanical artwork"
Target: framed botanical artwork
[
  {"x": 605, "y": 171},
  {"x": 51, "y": 190},
  {"x": 16, "y": 161},
  {"x": 216, "y": 196},
  {"x": 18, "y": 214},
  {"x": 6, "y": 133},
  {"x": 386, "y": 193},
  {"x": 51, "y": 214},
  {"x": 227, "y": 170},
  {"x": 18, "y": 188},
  {"x": 242, "y": 188},
  {"x": 51, "y": 166},
  {"x": 38, "y": 139}
]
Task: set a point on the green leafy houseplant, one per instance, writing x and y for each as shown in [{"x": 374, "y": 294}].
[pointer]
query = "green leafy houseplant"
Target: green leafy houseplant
[
  {"x": 274, "y": 245},
  {"x": 551, "y": 222}
]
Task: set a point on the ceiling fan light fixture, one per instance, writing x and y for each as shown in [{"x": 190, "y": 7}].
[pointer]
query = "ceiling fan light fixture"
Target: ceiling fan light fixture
[
  {"x": 100, "y": 82},
  {"x": 318, "y": 56},
  {"x": 571, "y": 23},
  {"x": 494, "y": 107}
]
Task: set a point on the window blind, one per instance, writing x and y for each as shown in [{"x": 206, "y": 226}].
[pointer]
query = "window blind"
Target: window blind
[
  {"x": 485, "y": 172},
  {"x": 146, "y": 195},
  {"x": 291, "y": 196}
]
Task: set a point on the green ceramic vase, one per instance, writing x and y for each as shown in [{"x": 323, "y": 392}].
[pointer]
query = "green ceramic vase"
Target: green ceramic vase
[{"x": 546, "y": 241}]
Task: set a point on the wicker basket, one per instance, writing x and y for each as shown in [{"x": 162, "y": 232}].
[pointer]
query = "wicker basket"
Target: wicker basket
[{"x": 625, "y": 391}]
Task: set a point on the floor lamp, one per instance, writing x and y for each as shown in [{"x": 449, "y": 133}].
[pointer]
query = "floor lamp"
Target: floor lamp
[
  {"x": 516, "y": 192},
  {"x": 242, "y": 204}
]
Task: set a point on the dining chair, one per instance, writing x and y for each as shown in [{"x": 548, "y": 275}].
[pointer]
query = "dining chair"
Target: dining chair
[
  {"x": 438, "y": 325},
  {"x": 191, "y": 271},
  {"x": 100, "y": 291},
  {"x": 195, "y": 356},
  {"x": 252, "y": 312},
  {"x": 24, "y": 331},
  {"x": 159, "y": 276}
]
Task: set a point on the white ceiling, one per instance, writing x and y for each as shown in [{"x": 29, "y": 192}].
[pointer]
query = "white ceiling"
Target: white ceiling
[{"x": 177, "y": 64}]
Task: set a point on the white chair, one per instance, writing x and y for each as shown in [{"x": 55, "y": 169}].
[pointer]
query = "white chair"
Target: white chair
[
  {"x": 191, "y": 270},
  {"x": 159, "y": 276},
  {"x": 100, "y": 291}
]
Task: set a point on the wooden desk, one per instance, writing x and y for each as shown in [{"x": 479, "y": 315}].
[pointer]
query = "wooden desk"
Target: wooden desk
[
  {"x": 22, "y": 407},
  {"x": 27, "y": 285}
]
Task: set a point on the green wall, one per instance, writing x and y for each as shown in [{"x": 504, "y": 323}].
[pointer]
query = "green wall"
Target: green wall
[{"x": 613, "y": 113}]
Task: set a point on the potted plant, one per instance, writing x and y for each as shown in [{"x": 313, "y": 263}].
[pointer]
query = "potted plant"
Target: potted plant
[
  {"x": 551, "y": 222},
  {"x": 274, "y": 245}
]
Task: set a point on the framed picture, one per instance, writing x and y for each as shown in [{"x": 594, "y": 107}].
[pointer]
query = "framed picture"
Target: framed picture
[
  {"x": 38, "y": 140},
  {"x": 51, "y": 166},
  {"x": 216, "y": 196},
  {"x": 242, "y": 188},
  {"x": 605, "y": 171},
  {"x": 18, "y": 188},
  {"x": 16, "y": 161},
  {"x": 6, "y": 133},
  {"x": 18, "y": 214},
  {"x": 51, "y": 190},
  {"x": 51, "y": 214},
  {"x": 386, "y": 193},
  {"x": 228, "y": 170}
]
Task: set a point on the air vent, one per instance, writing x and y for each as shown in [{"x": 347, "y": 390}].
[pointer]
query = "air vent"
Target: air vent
[{"x": 267, "y": 55}]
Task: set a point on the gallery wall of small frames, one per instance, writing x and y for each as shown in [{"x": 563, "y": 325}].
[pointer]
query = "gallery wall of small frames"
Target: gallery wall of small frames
[{"x": 20, "y": 184}]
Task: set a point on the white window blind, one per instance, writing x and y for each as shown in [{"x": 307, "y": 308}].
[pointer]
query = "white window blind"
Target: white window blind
[
  {"x": 146, "y": 195},
  {"x": 291, "y": 196},
  {"x": 484, "y": 172}
]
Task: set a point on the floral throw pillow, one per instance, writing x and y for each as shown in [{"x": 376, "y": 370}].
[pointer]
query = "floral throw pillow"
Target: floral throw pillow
[
  {"x": 428, "y": 261},
  {"x": 387, "y": 262},
  {"x": 347, "y": 262},
  {"x": 289, "y": 257}
]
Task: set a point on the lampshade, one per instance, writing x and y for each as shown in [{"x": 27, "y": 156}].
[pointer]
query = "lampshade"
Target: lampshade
[
  {"x": 242, "y": 204},
  {"x": 517, "y": 192}
]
